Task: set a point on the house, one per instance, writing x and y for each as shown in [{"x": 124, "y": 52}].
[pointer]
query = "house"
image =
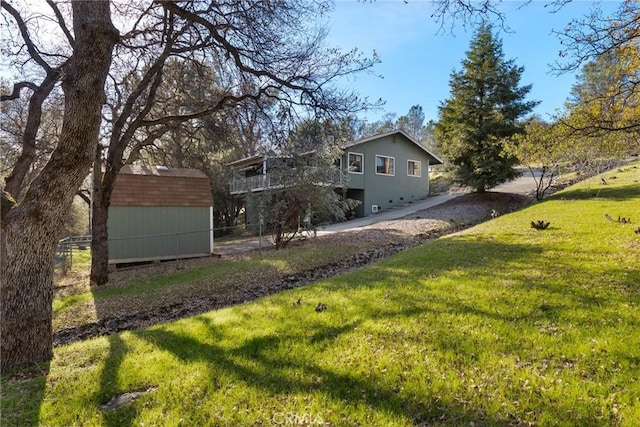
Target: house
[
  {"x": 386, "y": 170},
  {"x": 159, "y": 213},
  {"x": 380, "y": 171}
]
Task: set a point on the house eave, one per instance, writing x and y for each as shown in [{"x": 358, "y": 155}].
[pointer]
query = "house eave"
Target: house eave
[
  {"x": 246, "y": 162},
  {"x": 433, "y": 159}
]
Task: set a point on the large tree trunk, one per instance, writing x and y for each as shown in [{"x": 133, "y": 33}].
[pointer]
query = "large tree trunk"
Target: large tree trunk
[
  {"x": 99, "y": 233},
  {"x": 30, "y": 230},
  {"x": 99, "y": 245},
  {"x": 103, "y": 184}
]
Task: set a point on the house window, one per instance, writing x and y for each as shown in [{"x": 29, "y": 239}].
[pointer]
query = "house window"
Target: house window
[
  {"x": 414, "y": 168},
  {"x": 355, "y": 162},
  {"x": 385, "y": 165}
]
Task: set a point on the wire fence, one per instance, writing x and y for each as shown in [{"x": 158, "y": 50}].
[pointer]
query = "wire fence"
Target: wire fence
[
  {"x": 131, "y": 250},
  {"x": 63, "y": 260},
  {"x": 169, "y": 246}
]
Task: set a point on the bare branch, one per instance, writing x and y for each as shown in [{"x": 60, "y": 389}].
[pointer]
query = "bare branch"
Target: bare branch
[
  {"x": 596, "y": 35},
  {"x": 61, "y": 23},
  {"x": 219, "y": 105},
  {"x": 15, "y": 180},
  {"x": 149, "y": 140},
  {"x": 17, "y": 87},
  {"x": 235, "y": 53},
  {"x": 556, "y": 5},
  {"x": 468, "y": 12},
  {"x": 31, "y": 48},
  {"x": 150, "y": 82},
  {"x": 84, "y": 195},
  {"x": 598, "y": 127}
]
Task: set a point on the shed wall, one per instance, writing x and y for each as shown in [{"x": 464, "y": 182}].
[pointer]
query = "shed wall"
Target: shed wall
[{"x": 138, "y": 233}]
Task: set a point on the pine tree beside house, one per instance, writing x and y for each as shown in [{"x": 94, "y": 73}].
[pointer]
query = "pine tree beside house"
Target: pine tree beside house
[{"x": 482, "y": 113}]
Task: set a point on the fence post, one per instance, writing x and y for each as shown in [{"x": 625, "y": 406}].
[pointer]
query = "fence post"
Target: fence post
[
  {"x": 70, "y": 246},
  {"x": 177, "y": 247}
]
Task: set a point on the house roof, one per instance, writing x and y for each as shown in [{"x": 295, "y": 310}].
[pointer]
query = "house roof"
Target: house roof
[
  {"x": 433, "y": 159},
  {"x": 161, "y": 186},
  {"x": 259, "y": 158}
]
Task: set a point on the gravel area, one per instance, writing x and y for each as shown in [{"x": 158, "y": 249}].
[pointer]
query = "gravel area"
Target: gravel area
[{"x": 377, "y": 242}]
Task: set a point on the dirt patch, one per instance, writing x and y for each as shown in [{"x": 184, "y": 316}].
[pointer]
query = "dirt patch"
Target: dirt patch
[{"x": 376, "y": 242}]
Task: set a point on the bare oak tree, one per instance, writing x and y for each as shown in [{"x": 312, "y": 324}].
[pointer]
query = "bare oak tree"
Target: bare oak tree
[
  {"x": 263, "y": 53},
  {"x": 259, "y": 51},
  {"x": 31, "y": 226}
]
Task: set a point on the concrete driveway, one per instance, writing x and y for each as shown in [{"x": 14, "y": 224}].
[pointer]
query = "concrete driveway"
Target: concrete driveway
[
  {"x": 387, "y": 214},
  {"x": 523, "y": 185}
]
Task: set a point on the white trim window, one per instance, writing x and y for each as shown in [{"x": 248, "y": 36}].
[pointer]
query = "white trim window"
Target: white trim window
[
  {"x": 355, "y": 162},
  {"x": 385, "y": 165},
  {"x": 414, "y": 168}
]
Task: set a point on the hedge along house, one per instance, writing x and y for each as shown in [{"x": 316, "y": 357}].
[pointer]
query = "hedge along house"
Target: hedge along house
[
  {"x": 160, "y": 213},
  {"x": 380, "y": 171}
]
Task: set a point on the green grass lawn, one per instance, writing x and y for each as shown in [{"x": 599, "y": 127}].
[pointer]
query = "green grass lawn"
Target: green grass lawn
[{"x": 497, "y": 325}]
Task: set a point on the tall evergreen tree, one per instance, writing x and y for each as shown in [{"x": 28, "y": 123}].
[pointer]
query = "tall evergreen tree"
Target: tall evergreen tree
[{"x": 482, "y": 114}]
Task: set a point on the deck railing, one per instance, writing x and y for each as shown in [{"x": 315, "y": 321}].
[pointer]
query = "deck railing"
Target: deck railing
[{"x": 239, "y": 185}]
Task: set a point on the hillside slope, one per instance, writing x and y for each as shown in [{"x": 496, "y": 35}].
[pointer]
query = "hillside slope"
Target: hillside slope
[{"x": 500, "y": 324}]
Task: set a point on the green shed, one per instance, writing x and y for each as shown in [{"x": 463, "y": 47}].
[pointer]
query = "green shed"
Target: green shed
[{"x": 160, "y": 213}]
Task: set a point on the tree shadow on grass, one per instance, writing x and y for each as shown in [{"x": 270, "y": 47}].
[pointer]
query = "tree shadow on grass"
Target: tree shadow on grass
[
  {"x": 255, "y": 364},
  {"x": 109, "y": 386},
  {"x": 22, "y": 395}
]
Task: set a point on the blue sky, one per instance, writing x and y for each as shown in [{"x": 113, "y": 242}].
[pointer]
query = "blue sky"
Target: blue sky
[{"x": 417, "y": 58}]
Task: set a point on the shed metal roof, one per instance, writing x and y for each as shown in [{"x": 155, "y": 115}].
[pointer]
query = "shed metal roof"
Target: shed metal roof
[{"x": 138, "y": 185}]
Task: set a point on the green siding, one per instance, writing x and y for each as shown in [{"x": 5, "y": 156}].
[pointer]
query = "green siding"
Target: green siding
[
  {"x": 388, "y": 191},
  {"x": 161, "y": 232}
]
